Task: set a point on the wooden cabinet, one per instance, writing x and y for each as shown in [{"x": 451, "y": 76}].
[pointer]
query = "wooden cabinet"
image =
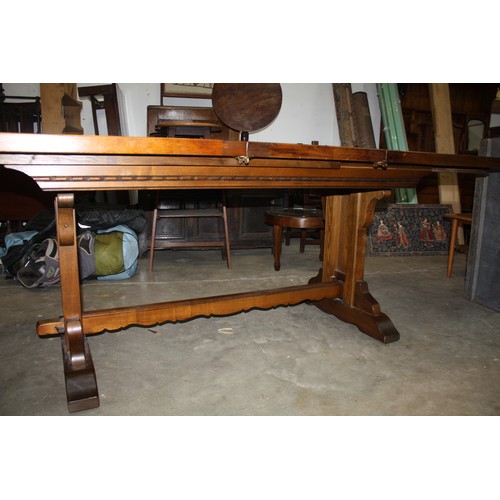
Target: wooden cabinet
[{"x": 246, "y": 213}]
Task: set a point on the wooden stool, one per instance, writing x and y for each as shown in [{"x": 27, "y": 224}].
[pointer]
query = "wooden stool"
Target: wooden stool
[
  {"x": 456, "y": 220},
  {"x": 188, "y": 129},
  {"x": 158, "y": 241},
  {"x": 296, "y": 218}
]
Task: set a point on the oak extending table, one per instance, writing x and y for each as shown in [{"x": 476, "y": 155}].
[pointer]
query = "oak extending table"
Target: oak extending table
[{"x": 355, "y": 179}]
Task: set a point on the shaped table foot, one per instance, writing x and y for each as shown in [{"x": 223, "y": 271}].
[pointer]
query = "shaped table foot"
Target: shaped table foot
[
  {"x": 365, "y": 312},
  {"x": 379, "y": 326},
  {"x": 81, "y": 383}
]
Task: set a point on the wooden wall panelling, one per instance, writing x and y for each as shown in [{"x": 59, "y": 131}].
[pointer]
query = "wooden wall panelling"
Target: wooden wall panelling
[{"x": 468, "y": 101}]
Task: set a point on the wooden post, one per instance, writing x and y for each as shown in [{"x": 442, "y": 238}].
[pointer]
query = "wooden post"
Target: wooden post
[
  {"x": 343, "y": 109},
  {"x": 449, "y": 192},
  {"x": 60, "y": 108}
]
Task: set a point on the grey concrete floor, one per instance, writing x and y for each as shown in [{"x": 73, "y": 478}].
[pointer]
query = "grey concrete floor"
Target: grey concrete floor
[{"x": 287, "y": 361}]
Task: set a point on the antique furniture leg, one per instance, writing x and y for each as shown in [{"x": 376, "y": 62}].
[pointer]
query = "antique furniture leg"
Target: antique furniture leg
[
  {"x": 296, "y": 218},
  {"x": 277, "y": 241},
  {"x": 347, "y": 219},
  {"x": 81, "y": 385},
  {"x": 456, "y": 220}
]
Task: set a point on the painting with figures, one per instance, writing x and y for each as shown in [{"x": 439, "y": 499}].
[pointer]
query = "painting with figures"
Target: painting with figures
[{"x": 401, "y": 230}]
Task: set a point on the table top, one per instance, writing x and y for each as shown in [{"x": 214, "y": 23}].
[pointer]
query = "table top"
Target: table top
[
  {"x": 80, "y": 162},
  {"x": 304, "y": 213}
]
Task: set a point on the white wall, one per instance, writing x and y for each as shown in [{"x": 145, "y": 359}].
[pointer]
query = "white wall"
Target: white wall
[
  {"x": 23, "y": 89},
  {"x": 307, "y": 112},
  {"x": 133, "y": 101}
]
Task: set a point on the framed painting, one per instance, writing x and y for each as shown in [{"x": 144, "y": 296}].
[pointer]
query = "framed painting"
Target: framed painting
[{"x": 198, "y": 90}]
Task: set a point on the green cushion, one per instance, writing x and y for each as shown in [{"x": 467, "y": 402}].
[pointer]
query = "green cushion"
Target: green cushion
[{"x": 108, "y": 249}]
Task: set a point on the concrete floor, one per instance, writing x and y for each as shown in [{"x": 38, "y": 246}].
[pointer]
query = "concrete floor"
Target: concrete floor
[{"x": 287, "y": 361}]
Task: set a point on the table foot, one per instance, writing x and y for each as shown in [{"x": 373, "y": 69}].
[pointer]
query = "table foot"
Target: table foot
[
  {"x": 380, "y": 327},
  {"x": 364, "y": 313},
  {"x": 81, "y": 383}
]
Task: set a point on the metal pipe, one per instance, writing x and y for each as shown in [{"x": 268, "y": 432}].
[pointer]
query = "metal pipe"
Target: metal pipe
[{"x": 394, "y": 131}]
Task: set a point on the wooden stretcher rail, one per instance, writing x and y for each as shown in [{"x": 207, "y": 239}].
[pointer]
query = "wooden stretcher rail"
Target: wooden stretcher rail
[
  {"x": 181, "y": 310},
  {"x": 358, "y": 177}
]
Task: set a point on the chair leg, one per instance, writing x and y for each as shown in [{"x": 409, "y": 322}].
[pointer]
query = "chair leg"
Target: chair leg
[
  {"x": 277, "y": 237},
  {"x": 453, "y": 239},
  {"x": 303, "y": 236},
  {"x": 153, "y": 236},
  {"x": 321, "y": 243},
  {"x": 226, "y": 236}
]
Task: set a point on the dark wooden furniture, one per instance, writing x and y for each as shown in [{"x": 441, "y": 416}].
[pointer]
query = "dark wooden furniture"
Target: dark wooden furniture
[
  {"x": 159, "y": 116},
  {"x": 456, "y": 221},
  {"x": 165, "y": 239},
  {"x": 20, "y": 198},
  {"x": 175, "y": 128},
  {"x": 245, "y": 208},
  {"x": 294, "y": 218},
  {"x": 303, "y": 199},
  {"x": 20, "y": 113},
  {"x": 103, "y": 97},
  {"x": 246, "y": 107},
  {"x": 359, "y": 178},
  {"x": 164, "y": 210}
]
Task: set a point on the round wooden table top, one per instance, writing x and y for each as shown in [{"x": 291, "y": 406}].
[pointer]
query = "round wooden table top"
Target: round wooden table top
[
  {"x": 246, "y": 107},
  {"x": 301, "y": 218}
]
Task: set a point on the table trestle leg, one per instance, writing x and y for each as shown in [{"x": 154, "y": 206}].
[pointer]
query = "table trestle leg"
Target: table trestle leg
[
  {"x": 81, "y": 384},
  {"x": 347, "y": 220}
]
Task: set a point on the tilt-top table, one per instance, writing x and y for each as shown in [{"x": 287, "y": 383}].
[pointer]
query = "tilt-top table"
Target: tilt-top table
[{"x": 356, "y": 178}]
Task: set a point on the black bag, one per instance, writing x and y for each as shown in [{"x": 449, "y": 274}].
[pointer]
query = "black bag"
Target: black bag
[
  {"x": 12, "y": 261},
  {"x": 45, "y": 224}
]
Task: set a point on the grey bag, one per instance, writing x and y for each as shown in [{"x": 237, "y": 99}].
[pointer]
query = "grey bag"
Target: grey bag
[{"x": 40, "y": 266}]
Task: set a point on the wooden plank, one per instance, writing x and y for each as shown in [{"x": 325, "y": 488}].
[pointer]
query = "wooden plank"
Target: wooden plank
[
  {"x": 443, "y": 134},
  {"x": 343, "y": 109},
  {"x": 448, "y": 187}
]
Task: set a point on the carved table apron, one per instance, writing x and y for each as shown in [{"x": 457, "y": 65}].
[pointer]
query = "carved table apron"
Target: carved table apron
[{"x": 357, "y": 178}]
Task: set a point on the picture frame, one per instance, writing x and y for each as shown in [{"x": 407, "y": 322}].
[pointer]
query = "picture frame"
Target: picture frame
[{"x": 196, "y": 90}]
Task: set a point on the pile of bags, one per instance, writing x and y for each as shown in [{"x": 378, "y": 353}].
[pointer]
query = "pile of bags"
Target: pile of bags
[{"x": 104, "y": 253}]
